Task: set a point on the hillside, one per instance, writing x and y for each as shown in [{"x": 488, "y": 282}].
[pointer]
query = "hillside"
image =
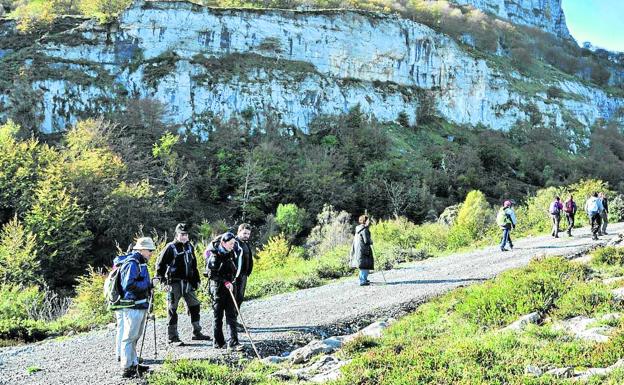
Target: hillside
[{"x": 287, "y": 67}]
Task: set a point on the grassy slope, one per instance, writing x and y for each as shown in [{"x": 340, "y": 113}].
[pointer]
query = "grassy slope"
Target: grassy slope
[{"x": 455, "y": 339}]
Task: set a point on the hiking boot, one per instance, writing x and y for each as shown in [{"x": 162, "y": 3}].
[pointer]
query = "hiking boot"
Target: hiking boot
[
  {"x": 130, "y": 372},
  {"x": 218, "y": 346},
  {"x": 142, "y": 368},
  {"x": 175, "y": 341},
  {"x": 364, "y": 283},
  {"x": 198, "y": 336},
  {"x": 511, "y": 246},
  {"x": 236, "y": 346},
  {"x": 504, "y": 249}
]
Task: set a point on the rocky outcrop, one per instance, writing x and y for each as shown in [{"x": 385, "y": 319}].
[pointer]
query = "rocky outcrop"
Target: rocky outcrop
[
  {"x": 206, "y": 65},
  {"x": 543, "y": 14}
]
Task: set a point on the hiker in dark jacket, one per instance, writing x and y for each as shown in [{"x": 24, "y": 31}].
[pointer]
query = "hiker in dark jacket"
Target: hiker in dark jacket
[
  {"x": 135, "y": 291},
  {"x": 555, "y": 216},
  {"x": 569, "y": 208},
  {"x": 244, "y": 262},
  {"x": 362, "y": 250},
  {"x": 604, "y": 214},
  {"x": 177, "y": 268},
  {"x": 221, "y": 270}
]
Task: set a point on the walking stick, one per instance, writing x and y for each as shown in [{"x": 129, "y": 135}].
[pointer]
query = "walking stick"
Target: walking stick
[
  {"x": 381, "y": 269},
  {"x": 149, "y": 306},
  {"x": 244, "y": 326}
]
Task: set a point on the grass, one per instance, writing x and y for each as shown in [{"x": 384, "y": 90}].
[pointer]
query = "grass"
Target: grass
[
  {"x": 456, "y": 338},
  {"x": 33, "y": 369}
]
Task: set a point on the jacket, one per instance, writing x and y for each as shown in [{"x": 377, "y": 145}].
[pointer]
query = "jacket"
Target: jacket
[
  {"x": 135, "y": 279},
  {"x": 220, "y": 264},
  {"x": 177, "y": 262},
  {"x": 244, "y": 262},
  {"x": 361, "y": 249}
]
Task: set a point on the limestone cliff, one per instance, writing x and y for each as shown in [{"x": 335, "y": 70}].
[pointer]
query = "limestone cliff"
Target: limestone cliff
[
  {"x": 543, "y": 14},
  {"x": 291, "y": 66}
]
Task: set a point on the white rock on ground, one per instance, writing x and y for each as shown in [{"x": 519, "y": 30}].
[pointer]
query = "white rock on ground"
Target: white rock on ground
[{"x": 522, "y": 322}]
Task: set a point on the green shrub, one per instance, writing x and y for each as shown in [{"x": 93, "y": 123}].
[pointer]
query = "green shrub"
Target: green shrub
[
  {"x": 89, "y": 308},
  {"x": 358, "y": 344},
  {"x": 398, "y": 232},
  {"x": 273, "y": 254},
  {"x": 515, "y": 293},
  {"x": 609, "y": 255},
  {"x": 290, "y": 219},
  {"x": 18, "y": 256},
  {"x": 583, "y": 299}
]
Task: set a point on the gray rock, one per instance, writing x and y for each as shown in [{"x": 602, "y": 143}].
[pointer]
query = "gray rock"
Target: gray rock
[
  {"x": 561, "y": 372},
  {"x": 618, "y": 294},
  {"x": 522, "y": 322},
  {"x": 533, "y": 371}
]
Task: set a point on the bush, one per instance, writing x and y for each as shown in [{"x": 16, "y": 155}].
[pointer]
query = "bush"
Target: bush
[
  {"x": 515, "y": 293},
  {"x": 89, "y": 308},
  {"x": 609, "y": 255},
  {"x": 583, "y": 299},
  {"x": 473, "y": 219},
  {"x": 333, "y": 228},
  {"x": 274, "y": 254},
  {"x": 616, "y": 209},
  {"x": 19, "y": 264},
  {"x": 290, "y": 219}
]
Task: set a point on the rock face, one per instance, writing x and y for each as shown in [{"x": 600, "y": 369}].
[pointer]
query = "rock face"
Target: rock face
[
  {"x": 255, "y": 66},
  {"x": 543, "y": 14}
]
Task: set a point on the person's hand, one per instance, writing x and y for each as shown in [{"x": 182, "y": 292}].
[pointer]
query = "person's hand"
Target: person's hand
[{"x": 229, "y": 285}]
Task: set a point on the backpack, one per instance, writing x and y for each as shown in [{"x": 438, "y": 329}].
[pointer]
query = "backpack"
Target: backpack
[
  {"x": 113, "y": 292},
  {"x": 501, "y": 217},
  {"x": 569, "y": 206},
  {"x": 554, "y": 208},
  {"x": 592, "y": 206}
]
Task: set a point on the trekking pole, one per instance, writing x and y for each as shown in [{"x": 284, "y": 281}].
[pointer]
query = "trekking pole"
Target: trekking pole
[
  {"x": 381, "y": 269},
  {"x": 244, "y": 326},
  {"x": 149, "y": 305},
  {"x": 155, "y": 348}
]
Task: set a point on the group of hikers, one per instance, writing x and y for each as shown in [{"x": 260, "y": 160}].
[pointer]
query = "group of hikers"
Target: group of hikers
[
  {"x": 229, "y": 262},
  {"x": 596, "y": 207}
]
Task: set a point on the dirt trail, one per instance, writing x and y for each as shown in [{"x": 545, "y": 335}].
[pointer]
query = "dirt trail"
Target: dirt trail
[{"x": 286, "y": 320}]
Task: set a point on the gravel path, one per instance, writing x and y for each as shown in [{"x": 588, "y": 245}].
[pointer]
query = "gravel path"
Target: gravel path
[{"x": 281, "y": 322}]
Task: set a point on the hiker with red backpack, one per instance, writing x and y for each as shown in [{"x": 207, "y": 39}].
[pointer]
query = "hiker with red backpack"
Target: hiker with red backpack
[
  {"x": 555, "y": 215},
  {"x": 569, "y": 208}
]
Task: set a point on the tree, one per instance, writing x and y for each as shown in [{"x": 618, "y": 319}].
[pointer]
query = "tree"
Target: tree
[
  {"x": 19, "y": 264},
  {"x": 58, "y": 222},
  {"x": 253, "y": 191},
  {"x": 290, "y": 220}
]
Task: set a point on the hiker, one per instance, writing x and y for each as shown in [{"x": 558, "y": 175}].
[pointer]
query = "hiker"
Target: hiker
[
  {"x": 117, "y": 262},
  {"x": 177, "y": 268},
  {"x": 555, "y": 216},
  {"x": 135, "y": 291},
  {"x": 362, "y": 250},
  {"x": 506, "y": 219},
  {"x": 569, "y": 208},
  {"x": 221, "y": 270},
  {"x": 604, "y": 214},
  {"x": 244, "y": 263},
  {"x": 593, "y": 207}
]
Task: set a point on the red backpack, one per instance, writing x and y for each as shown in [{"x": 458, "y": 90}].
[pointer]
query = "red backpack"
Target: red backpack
[{"x": 569, "y": 206}]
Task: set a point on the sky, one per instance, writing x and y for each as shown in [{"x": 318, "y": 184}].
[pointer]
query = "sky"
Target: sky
[{"x": 599, "y": 21}]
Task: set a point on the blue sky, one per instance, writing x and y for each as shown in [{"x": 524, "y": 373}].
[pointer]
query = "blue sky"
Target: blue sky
[{"x": 598, "y": 21}]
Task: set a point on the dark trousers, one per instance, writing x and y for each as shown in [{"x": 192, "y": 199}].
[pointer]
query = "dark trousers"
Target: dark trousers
[
  {"x": 181, "y": 290},
  {"x": 241, "y": 285},
  {"x": 556, "y": 218},
  {"x": 570, "y": 221},
  {"x": 222, "y": 304},
  {"x": 596, "y": 222}
]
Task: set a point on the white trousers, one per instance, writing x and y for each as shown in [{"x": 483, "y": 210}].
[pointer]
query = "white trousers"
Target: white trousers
[
  {"x": 119, "y": 334},
  {"x": 132, "y": 326}
]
